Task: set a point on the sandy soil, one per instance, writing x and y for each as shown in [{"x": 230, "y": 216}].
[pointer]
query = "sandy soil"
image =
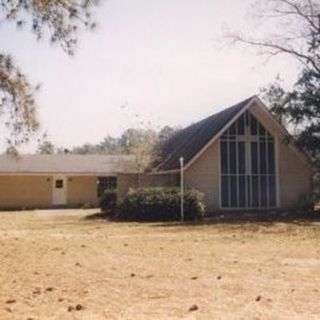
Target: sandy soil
[{"x": 58, "y": 265}]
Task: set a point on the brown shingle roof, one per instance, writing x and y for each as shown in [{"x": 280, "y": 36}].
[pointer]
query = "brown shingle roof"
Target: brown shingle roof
[
  {"x": 189, "y": 141},
  {"x": 66, "y": 164}
]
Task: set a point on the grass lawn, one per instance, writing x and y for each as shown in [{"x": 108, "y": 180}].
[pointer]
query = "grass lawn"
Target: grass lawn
[{"x": 58, "y": 265}]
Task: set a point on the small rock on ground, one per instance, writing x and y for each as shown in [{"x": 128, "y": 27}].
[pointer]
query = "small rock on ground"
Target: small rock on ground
[
  {"x": 10, "y": 301},
  {"x": 193, "y": 308}
]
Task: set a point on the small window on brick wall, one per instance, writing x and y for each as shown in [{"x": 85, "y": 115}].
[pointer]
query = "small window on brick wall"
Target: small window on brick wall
[
  {"x": 104, "y": 183},
  {"x": 59, "y": 184}
]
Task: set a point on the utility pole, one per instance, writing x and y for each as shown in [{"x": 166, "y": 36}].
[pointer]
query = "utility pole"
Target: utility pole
[{"x": 181, "y": 189}]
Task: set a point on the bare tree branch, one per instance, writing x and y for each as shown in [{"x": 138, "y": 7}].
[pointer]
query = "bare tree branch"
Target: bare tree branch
[
  {"x": 299, "y": 36},
  {"x": 280, "y": 49}
]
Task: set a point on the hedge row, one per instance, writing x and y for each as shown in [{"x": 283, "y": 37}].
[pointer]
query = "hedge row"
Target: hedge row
[{"x": 154, "y": 204}]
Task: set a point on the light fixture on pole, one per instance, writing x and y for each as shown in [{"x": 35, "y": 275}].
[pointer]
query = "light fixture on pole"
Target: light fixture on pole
[{"x": 181, "y": 189}]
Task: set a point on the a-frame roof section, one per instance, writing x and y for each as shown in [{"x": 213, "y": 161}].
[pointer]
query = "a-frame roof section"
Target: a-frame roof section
[{"x": 188, "y": 142}]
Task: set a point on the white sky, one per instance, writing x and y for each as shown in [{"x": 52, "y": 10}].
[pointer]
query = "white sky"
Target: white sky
[{"x": 162, "y": 59}]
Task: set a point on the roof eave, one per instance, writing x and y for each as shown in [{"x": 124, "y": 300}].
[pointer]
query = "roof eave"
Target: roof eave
[
  {"x": 71, "y": 174},
  {"x": 215, "y": 137}
]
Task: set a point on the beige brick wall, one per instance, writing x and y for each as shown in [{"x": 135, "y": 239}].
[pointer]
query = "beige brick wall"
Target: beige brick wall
[
  {"x": 82, "y": 191},
  {"x": 25, "y": 191},
  {"x": 203, "y": 175},
  {"x": 295, "y": 178}
]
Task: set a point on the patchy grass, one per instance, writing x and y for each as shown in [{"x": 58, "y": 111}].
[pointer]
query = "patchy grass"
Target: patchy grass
[{"x": 57, "y": 265}]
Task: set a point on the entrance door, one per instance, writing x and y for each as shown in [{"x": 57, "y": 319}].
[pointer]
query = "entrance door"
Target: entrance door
[{"x": 59, "y": 190}]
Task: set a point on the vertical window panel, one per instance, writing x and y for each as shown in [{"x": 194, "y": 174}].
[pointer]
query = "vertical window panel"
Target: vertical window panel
[
  {"x": 241, "y": 158},
  {"x": 242, "y": 191},
  {"x": 255, "y": 192},
  {"x": 263, "y": 191},
  {"x": 232, "y": 157},
  {"x": 263, "y": 158},
  {"x": 249, "y": 192},
  {"x": 262, "y": 130},
  {"x": 254, "y": 157},
  {"x": 224, "y": 191},
  {"x": 233, "y": 129},
  {"x": 234, "y": 191},
  {"x": 241, "y": 125},
  {"x": 271, "y": 160},
  {"x": 272, "y": 191},
  {"x": 224, "y": 157},
  {"x": 253, "y": 126},
  {"x": 247, "y": 118}
]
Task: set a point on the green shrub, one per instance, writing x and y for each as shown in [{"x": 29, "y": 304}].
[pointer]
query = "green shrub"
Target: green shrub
[
  {"x": 160, "y": 204},
  {"x": 108, "y": 200}
]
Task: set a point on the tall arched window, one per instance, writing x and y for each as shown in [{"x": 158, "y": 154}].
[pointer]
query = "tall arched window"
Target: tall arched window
[{"x": 247, "y": 165}]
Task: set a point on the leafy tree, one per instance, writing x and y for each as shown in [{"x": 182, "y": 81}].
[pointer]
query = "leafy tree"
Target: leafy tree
[
  {"x": 136, "y": 142},
  {"x": 164, "y": 134},
  {"x": 17, "y": 105},
  {"x": 61, "y": 150},
  {"x": 110, "y": 145},
  {"x": 132, "y": 138},
  {"x": 300, "y": 109},
  {"x": 276, "y": 98},
  {"x": 140, "y": 144},
  {"x": 60, "y": 21},
  {"x": 87, "y": 148},
  {"x": 46, "y": 147}
]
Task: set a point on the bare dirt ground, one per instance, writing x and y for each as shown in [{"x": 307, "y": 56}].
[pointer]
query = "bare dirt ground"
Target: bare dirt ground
[{"x": 58, "y": 265}]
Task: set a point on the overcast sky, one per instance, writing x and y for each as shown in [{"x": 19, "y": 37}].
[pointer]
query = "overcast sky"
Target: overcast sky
[{"x": 162, "y": 60}]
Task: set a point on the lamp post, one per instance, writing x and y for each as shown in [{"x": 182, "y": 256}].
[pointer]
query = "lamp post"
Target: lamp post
[{"x": 181, "y": 189}]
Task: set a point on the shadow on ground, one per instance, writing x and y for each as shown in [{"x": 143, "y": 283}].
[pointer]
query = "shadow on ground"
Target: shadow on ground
[
  {"x": 266, "y": 218},
  {"x": 97, "y": 216},
  {"x": 245, "y": 218}
]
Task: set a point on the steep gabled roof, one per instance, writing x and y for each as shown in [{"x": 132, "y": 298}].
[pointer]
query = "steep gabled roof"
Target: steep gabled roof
[
  {"x": 66, "y": 164},
  {"x": 188, "y": 142}
]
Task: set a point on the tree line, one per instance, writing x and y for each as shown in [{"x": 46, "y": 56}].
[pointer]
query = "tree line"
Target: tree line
[{"x": 144, "y": 144}]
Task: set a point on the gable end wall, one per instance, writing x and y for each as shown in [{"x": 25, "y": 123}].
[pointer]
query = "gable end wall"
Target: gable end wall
[{"x": 295, "y": 175}]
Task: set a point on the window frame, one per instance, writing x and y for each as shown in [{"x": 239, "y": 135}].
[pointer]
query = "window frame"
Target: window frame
[
  {"x": 106, "y": 183},
  {"x": 59, "y": 184},
  {"x": 268, "y": 139}
]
